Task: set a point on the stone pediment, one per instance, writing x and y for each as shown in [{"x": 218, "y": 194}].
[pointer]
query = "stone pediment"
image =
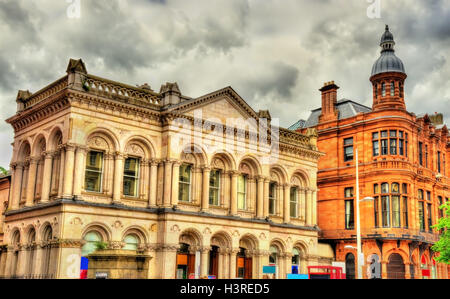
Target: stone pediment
[{"x": 220, "y": 105}]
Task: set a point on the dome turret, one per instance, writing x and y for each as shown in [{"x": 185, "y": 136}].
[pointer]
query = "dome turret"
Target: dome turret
[{"x": 388, "y": 61}]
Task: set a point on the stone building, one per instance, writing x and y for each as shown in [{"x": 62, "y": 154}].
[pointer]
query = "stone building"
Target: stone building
[
  {"x": 403, "y": 166},
  {"x": 197, "y": 186}
]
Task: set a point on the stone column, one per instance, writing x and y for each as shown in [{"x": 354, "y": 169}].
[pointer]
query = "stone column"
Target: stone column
[
  {"x": 17, "y": 186},
  {"x": 266, "y": 198},
  {"x": 204, "y": 265},
  {"x": 302, "y": 199},
  {"x": 309, "y": 208},
  {"x": 175, "y": 184},
  {"x": 220, "y": 265},
  {"x": 233, "y": 256},
  {"x": 46, "y": 183},
  {"x": 79, "y": 170},
  {"x": 153, "y": 183},
  {"x": 118, "y": 175},
  {"x": 234, "y": 176},
  {"x": 37, "y": 267},
  {"x": 260, "y": 198},
  {"x": 383, "y": 269},
  {"x": 62, "y": 161},
  {"x": 288, "y": 263},
  {"x": 205, "y": 188},
  {"x": 23, "y": 263},
  {"x": 167, "y": 183},
  {"x": 314, "y": 208},
  {"x": 68, "y": 171},
  {"x": 226, "y": 267},
  {"x": 31, "y": 183},
  {"x": 9, "y": 261},
  {"x": 287, "y": 212}
]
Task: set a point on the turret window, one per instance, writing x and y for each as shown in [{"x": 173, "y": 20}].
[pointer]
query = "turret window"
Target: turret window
[
  {"x": 391, "y": 142},
  {"x": 392, "y": 89},
  {"x": 383, "y": 89}
]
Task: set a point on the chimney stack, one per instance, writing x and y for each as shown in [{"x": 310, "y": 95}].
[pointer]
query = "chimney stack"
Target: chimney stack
[{"x": 329, "y": 102}]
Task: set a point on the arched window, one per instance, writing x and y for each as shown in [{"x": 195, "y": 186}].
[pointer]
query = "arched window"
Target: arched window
[
  {"x": 32, "y": 252},
  {"x": 350, "y": 266},
  {"x": 185, "y": 183},
  {"x": 94, "y": 171},
  {"x": 47, "y": 258},
  {"x": 383, "y": 89},
  {"x": 273, "y": 257},
  {"x": 91, "y": 238},
  {"x": 131, "y": 242},
  {"x": 131, "y": 177},
  {"x": 392, "y": 89},
  {"x": 242, "y": 192},
  {"x": 295, "y": 261}
]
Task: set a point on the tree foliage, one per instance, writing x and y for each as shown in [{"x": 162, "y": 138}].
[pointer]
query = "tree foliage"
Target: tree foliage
[
  {"x": 3, "y": 171},
  {"x": 443, "y": 245}
]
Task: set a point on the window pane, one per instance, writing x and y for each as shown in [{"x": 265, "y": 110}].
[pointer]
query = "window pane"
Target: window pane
[
  {"x": 393, "y": 146},
  {"x": 375, "y": 189},
  {"x": 384, "y": 134},
  {"x": 405, "y": 212},
  {"x": 272, "y": 199},
  {"x": 393, "y": 133},
  {"x": 348, "y": 141},
  {"x": 385, "y": 210},
  {"x": 384, "y": 147},
  {"x": 376, "y": 211},
  {"x": 348, "y": 153},
  {"x": 294, "y": 202},
  {"x": 348, "y": 192},
  {"x": 242, "y": 188},
  {"x": 214, "y": 187},
  {"x": 94, "y": 169},
  {"x": 395, "y": 188},
  {"x": 349, "y": 215},
  {"x": 385, "y": 188},
  {"x": 396, "y": 211},
  {"x": 184, "y": 192},
  {"x": 131, "y": 242},
  {"x": 376, "y": 148},
  {"x": 131, "y": 177},
  {"x": 421, "y": 216},
  {"x": 375, "y": 135}
]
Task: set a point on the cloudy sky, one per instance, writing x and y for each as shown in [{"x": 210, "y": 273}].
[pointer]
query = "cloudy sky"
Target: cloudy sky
[{"x": 275, "y": 53}]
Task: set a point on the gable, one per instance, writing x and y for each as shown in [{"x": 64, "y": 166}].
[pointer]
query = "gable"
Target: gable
[{"x": 221, "y": 109}]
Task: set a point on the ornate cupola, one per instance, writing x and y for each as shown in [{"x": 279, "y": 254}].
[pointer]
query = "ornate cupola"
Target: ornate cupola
[{"x": 388, "y": 76}]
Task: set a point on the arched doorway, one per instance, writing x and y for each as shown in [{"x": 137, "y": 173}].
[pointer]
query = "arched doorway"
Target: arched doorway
[
  {"x": 244, "y": 265},
  {"x": 396, "y": 267},
  {"x": 214, "y": 261},
  {"x": 350, "y": 266},
  {"x": 185, "y": 262}
]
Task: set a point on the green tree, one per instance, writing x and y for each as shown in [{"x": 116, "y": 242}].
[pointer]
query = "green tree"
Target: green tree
[
  {"x": 443, "y": 245},
  {"x": 3, "y": 171}
]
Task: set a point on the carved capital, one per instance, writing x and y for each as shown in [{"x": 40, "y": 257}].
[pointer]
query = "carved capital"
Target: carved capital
[{"x": 67, "y": 243}]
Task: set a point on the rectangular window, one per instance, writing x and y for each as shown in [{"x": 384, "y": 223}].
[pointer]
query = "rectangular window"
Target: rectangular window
[
  {"x": 400, "y": 147},
  {"x": 272, "y": 199},
  {"x": 426, "y": 156},
  {"x": 383, "y": 89},
  {"x": 441, "y": 211},
  {"x": 294, "y": 202},
  {"x": 420, "y": 194},
  {"x": 184, "y": 193},
  {"x": 376, "y": 148},
  {"x": 393, "y": 146},
  {"x": 406, "y": 144},
  {"x": 94, "y": 172},
  {"x": 430, "y": 216},
  {"x": 405, "y": 188},
  {"x": 376, "y": 205},
  {"x": 392, "y": 89},
  {"x": 131, "y": 177},
  {"x": 376, "y": 189},
  {"x": 384, "y": 147},
  {"x": 405, "y": 212},
  {"x": 348, "y": 149},
  {"x": 420, "y": 153},
  {"x": 214, "y": 188},
  {"x": 396, "y": 211},
  {"x": 439, "y": 162},
  {"x": 428, "y": 195},
  {"x": 385, "y": 211},
  {"x": 349, "y": 215},
  {"x": 421, "y": 216},
  {"x": 242, "y": 192}
]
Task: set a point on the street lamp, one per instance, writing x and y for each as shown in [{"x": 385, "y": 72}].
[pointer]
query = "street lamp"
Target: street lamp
[{"x": 359, "y": 254}]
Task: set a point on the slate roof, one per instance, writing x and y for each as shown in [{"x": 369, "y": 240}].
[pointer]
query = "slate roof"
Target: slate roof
[
  {"x": 346, "y": 108},
  {"x": 298, "y": 125}
]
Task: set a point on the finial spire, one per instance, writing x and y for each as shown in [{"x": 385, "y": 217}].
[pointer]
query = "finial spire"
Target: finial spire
[{"x": 387, "y": 27}]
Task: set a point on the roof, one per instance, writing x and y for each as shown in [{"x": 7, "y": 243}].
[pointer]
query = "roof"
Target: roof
[
  {"x": 298, "y": 125},
  {"x": 346, "y": 109}
]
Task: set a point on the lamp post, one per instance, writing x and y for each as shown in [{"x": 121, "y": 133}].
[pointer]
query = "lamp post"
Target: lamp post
[{"x": 360, "y": 256}]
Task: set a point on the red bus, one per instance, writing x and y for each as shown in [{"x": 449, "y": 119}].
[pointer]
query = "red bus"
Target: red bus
[{"x": 325, "y": 272}]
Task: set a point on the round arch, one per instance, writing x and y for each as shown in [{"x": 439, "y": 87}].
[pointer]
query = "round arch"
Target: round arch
[
  {"x": 223, "y": 160},
  {"x": 100, "y": 228},
  {"x": 110, "y": 139},
  {"x": 147, "y": 147},
  {"x": 55, "y": 138},
  {"x": 138, "y": 232},
  {"x": 252, "y": 164}
]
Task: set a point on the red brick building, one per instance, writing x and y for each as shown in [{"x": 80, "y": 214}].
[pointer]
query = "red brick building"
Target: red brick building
[{"x": 403, "y": 166}]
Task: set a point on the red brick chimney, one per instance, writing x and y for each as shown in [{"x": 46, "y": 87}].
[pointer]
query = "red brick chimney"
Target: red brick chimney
[{"x": 329, "y": 101}]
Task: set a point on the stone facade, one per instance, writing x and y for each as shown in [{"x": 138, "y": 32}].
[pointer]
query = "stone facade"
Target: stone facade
[{"x": 161, "y": 174}]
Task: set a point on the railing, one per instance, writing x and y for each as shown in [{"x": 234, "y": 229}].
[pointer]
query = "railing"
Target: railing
[
  {"x": 389, "y": 233},
  {"x": 117, "y": 90}
]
